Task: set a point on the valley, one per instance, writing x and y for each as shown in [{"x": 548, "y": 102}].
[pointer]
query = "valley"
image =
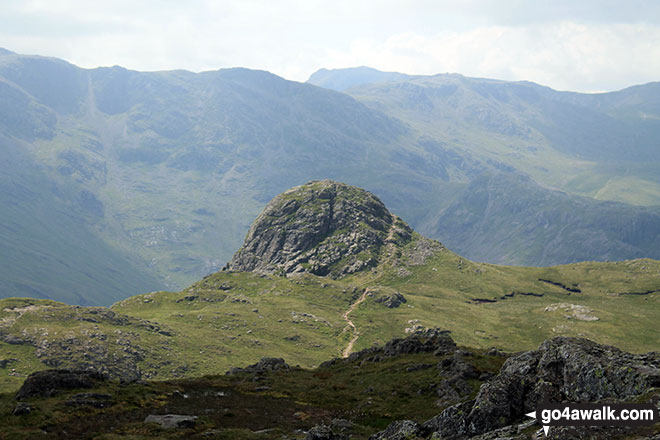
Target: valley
[{"x": 158, "y": 175}]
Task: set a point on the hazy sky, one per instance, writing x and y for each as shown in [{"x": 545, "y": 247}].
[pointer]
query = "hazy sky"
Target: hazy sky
[{"x": 583, "y": 45}]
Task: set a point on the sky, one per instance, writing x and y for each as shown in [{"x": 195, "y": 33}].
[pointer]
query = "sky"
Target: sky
[{"x": 578, "y": 45}]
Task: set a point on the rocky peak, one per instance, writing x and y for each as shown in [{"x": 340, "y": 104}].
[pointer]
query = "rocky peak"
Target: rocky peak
[{"x": 322, "y": 227}]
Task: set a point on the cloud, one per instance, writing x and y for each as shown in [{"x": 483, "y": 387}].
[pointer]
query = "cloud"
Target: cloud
[{"x": 565, "y": 44}]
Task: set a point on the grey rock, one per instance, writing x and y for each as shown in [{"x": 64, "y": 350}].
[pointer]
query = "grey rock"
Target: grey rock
[
  {"x": 562, "y": 369},
  {"x": 322, "y": 227},
  {"x": 325, "y": 432},
  {"x": 400, "y": 430},
  {"x": 172, "y": 421}
]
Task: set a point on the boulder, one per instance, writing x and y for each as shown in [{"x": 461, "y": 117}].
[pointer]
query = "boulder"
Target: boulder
[
  {"x": 51, "y": 382},
  {"x": 172, "y": 421}
]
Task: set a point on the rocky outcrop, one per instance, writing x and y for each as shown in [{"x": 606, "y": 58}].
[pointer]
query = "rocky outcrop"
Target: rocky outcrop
[
  {"x": 172, "y": 421},
  {"x": 323, "y": 228},
  {"x": 560, "y": 370},
  {"x": 263, "y": 366},
  {"x": 399, "y": 430},
  {"x": 51, "y": 382},
  {"x": 392, "y": 300},
  {"x": 338, "y": 429},
  {"x": 433, "y": 340}
]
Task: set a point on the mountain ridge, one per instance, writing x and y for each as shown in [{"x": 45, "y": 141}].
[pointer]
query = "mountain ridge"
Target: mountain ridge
[{"x": 168, "y": 169}]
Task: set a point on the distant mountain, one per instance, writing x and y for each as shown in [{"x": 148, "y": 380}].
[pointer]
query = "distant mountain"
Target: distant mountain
[
  {"x": 597, "y": 145},
  {"x": 169, "y": 168},
  {"x": 344, "y": 79},
  {"x": 163, "y": 172}
]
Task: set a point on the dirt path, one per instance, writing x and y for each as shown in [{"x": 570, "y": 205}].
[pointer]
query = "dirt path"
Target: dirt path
[{"x": 356, "y": 334}]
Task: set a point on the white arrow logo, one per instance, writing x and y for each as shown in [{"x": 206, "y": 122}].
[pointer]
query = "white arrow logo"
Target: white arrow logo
[{"x": 546, "y": 428}]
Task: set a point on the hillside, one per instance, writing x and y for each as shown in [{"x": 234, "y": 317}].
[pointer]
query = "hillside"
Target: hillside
[
  {"x": 50, "y": 247},
  {"x": 299, "y": 301},
  {"x": 597, "y": 145},
  {"x": 158, "y": 175}
]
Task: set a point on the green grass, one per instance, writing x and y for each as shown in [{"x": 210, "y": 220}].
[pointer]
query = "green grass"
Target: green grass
[{"x": 234, "y": 319}]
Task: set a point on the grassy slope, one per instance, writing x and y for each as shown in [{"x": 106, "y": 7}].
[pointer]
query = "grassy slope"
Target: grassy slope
[
  {"x": 600, "y": 146},
  {"x": 231, "y": 319},
  {"x": 50, "y": 247}
]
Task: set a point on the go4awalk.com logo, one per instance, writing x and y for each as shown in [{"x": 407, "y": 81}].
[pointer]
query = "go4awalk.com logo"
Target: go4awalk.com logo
[{"x": 595, "y": 414}]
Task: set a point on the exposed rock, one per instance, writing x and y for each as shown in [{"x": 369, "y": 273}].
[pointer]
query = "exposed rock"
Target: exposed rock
[
  {"x": 573, "y": 311},
  {"x": 322, "y": 227},
  {"x": 423, "y": 248},
  {"x": 264, "y": 365},
  {"x": 433, "y": 340},
  {"x": 14, "y": 340},
  {"x": 172, "y": 421},
  {"x": 391, "y": 300},
  {"x": 5, "y": 362},
  {"x": 22, "y": 409},
  {"x": 78, "y": 353},
  {"x": 400, "y": 430},
  {"x": 339, "y": 429},
  {"x": 51, "y": 382},
  {"x": 562, "y": 369}
]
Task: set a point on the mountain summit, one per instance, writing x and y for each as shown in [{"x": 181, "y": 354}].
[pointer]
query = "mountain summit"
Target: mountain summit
[{"x": 322, "y": 227}]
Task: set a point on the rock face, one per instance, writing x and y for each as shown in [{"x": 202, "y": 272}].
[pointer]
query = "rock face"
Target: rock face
[
  {"x": 561, "y": 370},
  {"x": 323, "y": 228}
]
